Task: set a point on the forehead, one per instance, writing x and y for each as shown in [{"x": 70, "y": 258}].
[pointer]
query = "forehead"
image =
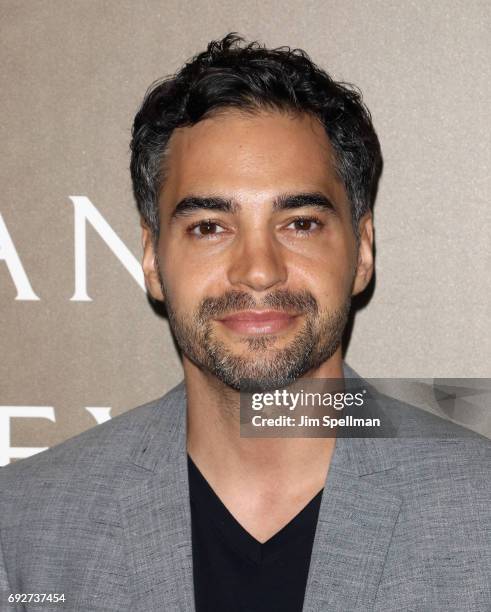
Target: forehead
[{"x": 234, "y": 153}]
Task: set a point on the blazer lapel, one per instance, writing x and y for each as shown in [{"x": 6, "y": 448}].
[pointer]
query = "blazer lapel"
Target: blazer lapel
[
  {"x": 156, "y": 516},
  {"x": 356, "y": 521}
]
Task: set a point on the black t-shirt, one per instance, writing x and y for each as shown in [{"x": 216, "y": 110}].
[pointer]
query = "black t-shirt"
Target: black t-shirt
[{"x": 233, "y": 572}]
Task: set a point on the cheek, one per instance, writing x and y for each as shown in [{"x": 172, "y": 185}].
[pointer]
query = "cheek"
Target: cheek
[
  {"x": 328, "y": 274},
  {"x": 189, "y": 278},
  {"x": 329, "y": 284}
]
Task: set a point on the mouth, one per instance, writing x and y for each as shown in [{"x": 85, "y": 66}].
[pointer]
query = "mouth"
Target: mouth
[{"x": 258, "y": 322}]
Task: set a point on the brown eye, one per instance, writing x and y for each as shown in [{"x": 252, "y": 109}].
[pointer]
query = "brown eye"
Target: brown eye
[
  {"x": 206, "y": 228},
  {"x": 305, "y": 224}
]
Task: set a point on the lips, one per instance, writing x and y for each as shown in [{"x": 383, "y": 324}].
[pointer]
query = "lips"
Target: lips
[{"x": 258, "y": 322}]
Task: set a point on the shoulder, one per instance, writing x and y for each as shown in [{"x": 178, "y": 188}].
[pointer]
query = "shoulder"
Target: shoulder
[
  {"x": 99, "y": 458},
  {"x": 425, "y": 457},
  {"x": 437, "y": 467},
  {"x": 426, "y": 439}
]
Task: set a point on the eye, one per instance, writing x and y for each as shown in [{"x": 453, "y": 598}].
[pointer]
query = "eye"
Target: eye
[
  {"x": 305, "y": 225},
  {"x": 205, "y": 228}
]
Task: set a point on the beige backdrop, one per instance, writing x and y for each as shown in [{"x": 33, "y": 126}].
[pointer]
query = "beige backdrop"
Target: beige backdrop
[{"x": 73, "y": 73}]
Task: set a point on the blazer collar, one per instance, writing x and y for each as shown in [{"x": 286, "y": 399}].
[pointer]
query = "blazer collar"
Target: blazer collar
[
  {"x": 357, "y": 517},
  {"x": 156, "y": 516},
  {"x": 354, "y": 529},
  {"x": 356, "y": 520}
]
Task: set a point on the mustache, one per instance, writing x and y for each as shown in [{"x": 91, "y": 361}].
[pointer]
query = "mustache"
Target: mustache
[{"x": 282, "y": 299}]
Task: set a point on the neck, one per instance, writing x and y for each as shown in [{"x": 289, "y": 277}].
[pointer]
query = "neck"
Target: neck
[{"x": 215, "y": 445}]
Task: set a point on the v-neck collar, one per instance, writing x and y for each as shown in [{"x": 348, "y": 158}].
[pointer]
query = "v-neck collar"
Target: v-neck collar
[{"x": 206, "y": 502}]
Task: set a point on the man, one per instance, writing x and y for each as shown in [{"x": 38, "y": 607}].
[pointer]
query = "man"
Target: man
[{"x": 254, "y": 173}]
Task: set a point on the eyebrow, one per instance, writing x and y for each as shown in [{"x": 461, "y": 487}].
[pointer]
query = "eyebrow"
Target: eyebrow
[{"x": 288, "y": 201}]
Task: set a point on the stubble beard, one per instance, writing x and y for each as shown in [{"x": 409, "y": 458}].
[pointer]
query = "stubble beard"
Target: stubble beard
[{"x": 261, "y": 366}]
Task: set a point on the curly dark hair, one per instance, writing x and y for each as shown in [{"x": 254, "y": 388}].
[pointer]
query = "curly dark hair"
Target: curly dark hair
[{"x": 250, "y": 77}]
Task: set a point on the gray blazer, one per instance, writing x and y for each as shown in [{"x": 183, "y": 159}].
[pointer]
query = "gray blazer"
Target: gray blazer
[{"x": 104, "y": 518}]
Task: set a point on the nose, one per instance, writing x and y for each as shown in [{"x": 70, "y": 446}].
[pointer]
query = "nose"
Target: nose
[{"x": 257, "y": 263}]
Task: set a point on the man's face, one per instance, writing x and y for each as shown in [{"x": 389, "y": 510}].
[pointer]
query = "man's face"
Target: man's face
[{"x": 257, "y": 258}]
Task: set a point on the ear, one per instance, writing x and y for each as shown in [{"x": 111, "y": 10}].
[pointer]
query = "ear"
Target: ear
[
  {"x": 149, "y": 264},
  {"x": 364, "y": 266}
]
